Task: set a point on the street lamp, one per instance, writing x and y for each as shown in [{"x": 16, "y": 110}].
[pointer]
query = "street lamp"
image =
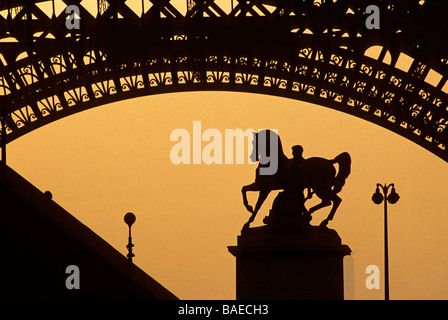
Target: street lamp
[
  {"x": 129, "y": 219},
  {"x": 392, "y": 198}
]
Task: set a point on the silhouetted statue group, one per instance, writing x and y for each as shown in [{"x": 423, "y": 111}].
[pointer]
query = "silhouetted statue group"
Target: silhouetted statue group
[{"x": 315, "y": 175}]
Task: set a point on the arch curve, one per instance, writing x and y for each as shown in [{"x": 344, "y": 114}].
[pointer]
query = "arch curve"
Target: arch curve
[{"x": 314, "y": 52}]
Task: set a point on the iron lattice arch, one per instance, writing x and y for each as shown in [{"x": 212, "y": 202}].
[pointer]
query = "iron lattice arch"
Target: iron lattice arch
[{"x": 315, "y": 51}]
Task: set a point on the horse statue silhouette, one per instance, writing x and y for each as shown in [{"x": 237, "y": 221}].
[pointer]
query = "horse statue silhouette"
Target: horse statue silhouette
[{"x": 315, "y": 173}]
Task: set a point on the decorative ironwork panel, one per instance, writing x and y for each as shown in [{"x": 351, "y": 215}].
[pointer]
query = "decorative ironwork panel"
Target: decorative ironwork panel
[{"x": 316, "y": 51}]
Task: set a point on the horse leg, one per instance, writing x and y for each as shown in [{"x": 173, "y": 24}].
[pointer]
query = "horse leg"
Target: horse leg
[
  {"x": 325, "y": 203},
  {"x": 336, "y": 202},
  {"x": 322, "y": 191},
  {"x": 326, "y": 196},
  {"x": 261, "y": 197},
  {"x": 250, "y": 187}
]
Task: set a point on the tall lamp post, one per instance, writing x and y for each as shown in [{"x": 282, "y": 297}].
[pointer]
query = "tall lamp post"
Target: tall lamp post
[{"x": 392, "y": 198}]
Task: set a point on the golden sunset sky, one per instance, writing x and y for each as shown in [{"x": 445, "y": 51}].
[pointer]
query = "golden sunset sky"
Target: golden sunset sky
[
  {"x": 100, "y": 164},
  {"x": 104, "y": 162}
]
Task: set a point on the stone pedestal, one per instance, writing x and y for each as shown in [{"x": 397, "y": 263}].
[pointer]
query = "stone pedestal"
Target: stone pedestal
[{"x": 289, "y": 262}]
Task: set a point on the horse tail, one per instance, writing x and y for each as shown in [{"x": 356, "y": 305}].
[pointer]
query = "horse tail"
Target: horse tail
[{"x": 344, "y": 161}]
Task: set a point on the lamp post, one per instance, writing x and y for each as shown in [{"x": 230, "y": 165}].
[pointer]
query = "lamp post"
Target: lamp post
[
  {"x": 392, "y": 198},
  {"x": 129, "y": 219}
]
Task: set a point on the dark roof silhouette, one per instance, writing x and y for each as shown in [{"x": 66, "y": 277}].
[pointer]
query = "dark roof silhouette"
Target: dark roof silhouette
[{"x": 40, "y": 239}]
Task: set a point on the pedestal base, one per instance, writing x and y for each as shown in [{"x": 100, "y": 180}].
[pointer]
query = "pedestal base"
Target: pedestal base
[{"x": 289, "y": 263}]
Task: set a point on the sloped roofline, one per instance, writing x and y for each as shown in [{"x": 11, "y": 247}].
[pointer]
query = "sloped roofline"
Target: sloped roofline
[{"x": 67, "y": 223}]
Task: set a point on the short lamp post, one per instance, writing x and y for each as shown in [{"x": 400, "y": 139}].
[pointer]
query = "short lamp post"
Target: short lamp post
[
  {"x": 392, "y": 198},
  {"x": 129, "y": 219}
]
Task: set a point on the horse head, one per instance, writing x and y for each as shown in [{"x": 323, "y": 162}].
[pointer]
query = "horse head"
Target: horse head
[
  {"x": 267, "y": 149},
  {"x": 254, "y": 154}
]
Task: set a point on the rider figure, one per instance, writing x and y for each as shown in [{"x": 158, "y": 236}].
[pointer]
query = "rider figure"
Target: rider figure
[
  {"x": 299, "y": 167},
  {"x": 299, "y": 163},
  {"x": 297, "y": 152}
]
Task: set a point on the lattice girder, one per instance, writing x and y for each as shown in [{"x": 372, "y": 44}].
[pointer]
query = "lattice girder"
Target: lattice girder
[{"x": 295, "y": 49}]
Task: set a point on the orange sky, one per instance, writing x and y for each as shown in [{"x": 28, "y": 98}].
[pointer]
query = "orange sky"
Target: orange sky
[{"x": 100, "y": 164}]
